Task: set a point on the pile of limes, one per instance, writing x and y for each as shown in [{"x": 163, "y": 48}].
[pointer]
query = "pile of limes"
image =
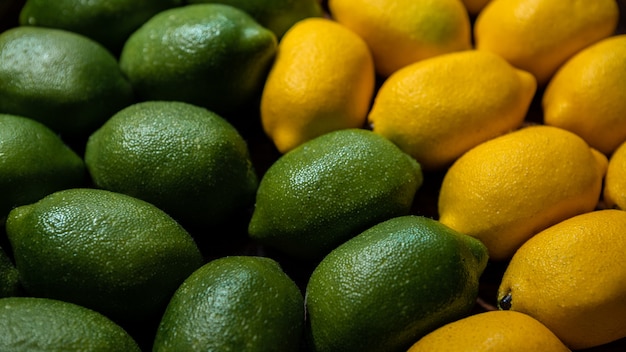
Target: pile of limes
[{"x": 306, "y": 175}]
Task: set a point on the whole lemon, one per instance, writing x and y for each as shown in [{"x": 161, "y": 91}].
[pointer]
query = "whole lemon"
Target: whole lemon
[
  {"x": 439, "y": 108},
  {"x": 322, "y": 80},
  {"x": 107, "y": 251},
  {"x": 331, "y": 188},
  {"x": 614, "y": 193},
  {"x": 42, "y": 324},
  {"x": 538, "y": 36},
  {"x": 187, "y": 160},
  {"x": 400, "y": 32},
  {"x": 505, "y": 190},
  {"x": 495, "y": 330},
  {"x": 571, "y": 277},
  {"x": 211, "y": 55},
  {"x": 390, "y": 285},
  {"x": 587, "y": 95},
  {"x": 234, "y": 303}
]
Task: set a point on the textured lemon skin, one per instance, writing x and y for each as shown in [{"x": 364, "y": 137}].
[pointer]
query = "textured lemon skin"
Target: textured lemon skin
[
  {"x": 400, "y": 32},
  {"x": 439, "y": 108},
  {"x": 614, "y": 192},
  {"x": 495, "y": 330},
  {"x": 316, "y": 84},
  {"x": 572, "y": 278},
  {"x": 587, "y": 95},
  {"x": 509, "y": 188},
  {"x": 524, "y": 31}
]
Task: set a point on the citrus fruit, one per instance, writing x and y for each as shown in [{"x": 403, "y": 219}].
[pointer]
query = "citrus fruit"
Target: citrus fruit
[
  {"x": 505, "y": 190},
  {"x": 475, "y": 6},
  {"x": 317, "y": 84},
  {"x": 34, "y": 162},
  {"x": 275, "y": 15},
  {"x": 107, "y": 251},
  {"x": 105, "y": 21},
  {"x": 330, "y": 189},
  {"x": 571, "y": 277},
  {"x": 41, "y": 324},
  {"x": 495, "y": 330},
  {"x": 538, "y": 36},
  {"x": 400, "y": 32},
  {"x": 614, "y": 192},
  {"x": 234, "y": 303},
  {"x": 187, "y": 160},
  {"x": 211, "y": 55},
  {"x": 9, "y": 276},
  {"x": 587, "y": 95},
  {"x": 65, "y": 80},
  {"x": 439, "y": 108},
  {"x": 393, "y": 283}
]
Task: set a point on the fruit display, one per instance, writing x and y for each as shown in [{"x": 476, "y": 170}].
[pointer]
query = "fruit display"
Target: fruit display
[{"x": 312, "y": 175}]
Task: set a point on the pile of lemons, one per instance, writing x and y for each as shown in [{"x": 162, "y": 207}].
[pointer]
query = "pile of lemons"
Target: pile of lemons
[{"x": 305, "y": 175}]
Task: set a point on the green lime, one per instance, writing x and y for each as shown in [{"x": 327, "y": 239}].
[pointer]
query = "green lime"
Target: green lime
[
  {"x": 331, "y": 188},
  {"x": 187, "y": 160},
  {"x": 393, "y": 283},
  {"x": 30, "y": 324},
  {"x": 276, "y": 15},
  {"x": 211, "y": 55},
  {"x": 65, "y": 80},
  {"x": 236, "y": 303},
  {"x": 107, "y": 251},
  {"x": 34, "y": 162},
  {"x": 9, "y": 276},
  {"x": 109, "y": 22}
]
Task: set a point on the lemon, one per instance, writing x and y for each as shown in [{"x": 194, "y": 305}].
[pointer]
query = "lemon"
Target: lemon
[
  {"x": 571, "y": 277},
  {"x": 322, "y": 80},
  {"x": 187, "y": 160},
  {"x": 9, "y": 276},
  {"x": 400, "y": 32},
  {"x": 475, "y": 6},
  {"x": 329, "y": 189},
  {"x": 41, "y": 324},
  {"x": 108, "y": 22},
  {"x": 392, "y": 284},
  {"x": 234, "y": 303},
  {"x": 34, "y": 162},
  {"x": 505, "y": 190},
  {"x": 275, "y": 15},
  {"x": 211, "y": 55},
  {"x": 614, "y": 192},
  {"x": 491, "y": 331},
  {"x": 67, "y": 81},
  {"x": 107, "y": 251},
  {"x": 538, "y": 36},
  {"x": 439, "y": 108},
  {"x": 587, "y": 95}
]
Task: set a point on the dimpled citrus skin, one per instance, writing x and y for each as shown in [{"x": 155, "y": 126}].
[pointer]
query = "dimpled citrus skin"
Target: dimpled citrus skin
[
  {"x": 317, "y": 84},
  {"x": 439, "y": 108},
  {"x": 587, "y": 95},
  {"x": 331, "y": 188},
  {"x": 572, "y": 278},
  {"x": 505, "y": 190},
  {"x": 614, "y": 192},
  {"x": 525, "y": 32},
  {"x": 491, "y": 331},
  {"x": 41, "y": 324},
  {"x": 400, "y": 32}
]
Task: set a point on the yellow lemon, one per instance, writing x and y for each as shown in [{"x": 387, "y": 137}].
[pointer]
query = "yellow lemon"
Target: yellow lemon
[
  {"x": 475, "y": 6},
  {"x": 439, "y": 108},
  {"x": 615, "y": 180},
  {"x": 572, "y": 278},
  {"x": 400, "y": 32},
  {"x": 505, "y": 190},
  {"x": 540, "y": 35},
  {"x": 495, "y": 330},
  {"x": 322, "y": 80},
  {"x": 587, "y": 95}
]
